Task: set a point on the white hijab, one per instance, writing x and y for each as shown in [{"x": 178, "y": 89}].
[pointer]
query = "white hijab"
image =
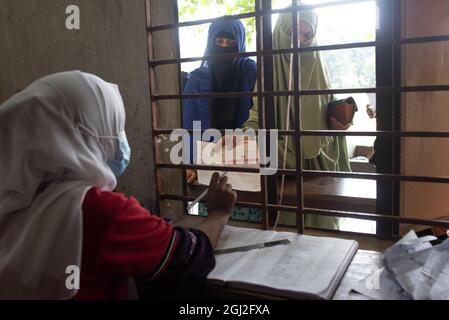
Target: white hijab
[{"x": 47, "y": 164}]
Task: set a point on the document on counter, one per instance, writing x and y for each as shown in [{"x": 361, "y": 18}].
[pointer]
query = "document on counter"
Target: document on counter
[
  {"x": 413, "y": 269},
  {"x": 405, "y": 259},
  {"x": 433, "y": 281},
  {"x": 381, "y": 285}
]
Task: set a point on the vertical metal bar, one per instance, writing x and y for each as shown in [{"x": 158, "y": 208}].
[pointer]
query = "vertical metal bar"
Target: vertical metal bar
[
  {"x": 260, "y": 101},
  {"x": 268, "y": 106},
  {"x": 297, "y": 114},
  {"x": 180, "y": 91},
  {"x": 384, "y": 106},
  {"x": 153, "y": 103},
  {"x": 396, "y": 110}
]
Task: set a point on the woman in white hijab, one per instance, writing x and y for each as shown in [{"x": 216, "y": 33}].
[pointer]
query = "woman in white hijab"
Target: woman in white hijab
[{"x": 63, "y": 143}]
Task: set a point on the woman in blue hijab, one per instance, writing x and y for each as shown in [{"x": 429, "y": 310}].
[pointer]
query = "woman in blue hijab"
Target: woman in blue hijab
[{"x": 235, "y": 74}]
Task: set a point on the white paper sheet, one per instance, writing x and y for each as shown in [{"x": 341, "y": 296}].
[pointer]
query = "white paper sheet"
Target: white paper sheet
[
  {"x": 405, "y": 259},
  {"x": 433, "y": 281},
  {"x": 240, "y": 180},
  {"x": 413, "y": 269},
  {"x": 380, "y": 285}
]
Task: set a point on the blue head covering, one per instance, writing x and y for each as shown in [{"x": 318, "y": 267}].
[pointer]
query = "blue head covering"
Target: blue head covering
[{"x": 232, "y": 27}]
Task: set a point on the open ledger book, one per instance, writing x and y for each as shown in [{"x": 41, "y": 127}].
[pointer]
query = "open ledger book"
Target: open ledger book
[{"x": 308, "y": 267}]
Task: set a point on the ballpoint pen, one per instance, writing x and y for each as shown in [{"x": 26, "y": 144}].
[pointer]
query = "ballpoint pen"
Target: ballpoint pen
[
  {"x": 204, "y": 194},
  {"x": 253, "y": 246}
]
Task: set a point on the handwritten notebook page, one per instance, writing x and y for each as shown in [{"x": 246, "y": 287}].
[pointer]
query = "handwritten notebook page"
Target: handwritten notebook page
[
  {"x": 232, "y": 237},
  {"x": 308, "y": 267}
]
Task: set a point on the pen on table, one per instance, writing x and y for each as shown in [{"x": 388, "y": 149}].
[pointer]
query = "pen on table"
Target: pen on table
[
  {"x": 253, "y": 246},
  {"x": 204, "y": 194}
]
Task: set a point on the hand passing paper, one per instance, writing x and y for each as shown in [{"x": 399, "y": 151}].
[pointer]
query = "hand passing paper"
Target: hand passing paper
[
  {"x": 244, "y": 154},
  {"x": 237, "y": 149}
]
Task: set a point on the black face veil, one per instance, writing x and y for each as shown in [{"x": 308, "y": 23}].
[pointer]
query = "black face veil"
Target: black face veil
[{"x": 225, "y": 78}]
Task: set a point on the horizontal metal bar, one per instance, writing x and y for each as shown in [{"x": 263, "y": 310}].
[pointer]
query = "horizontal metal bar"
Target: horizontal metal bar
[
  {"x": 403, "y": 134},
  {"x": 419, "y": 40},
  {"x": 207, "y": 167},
  {"x": 205, "y": 95},
  {"x": 176, "y": 197},
  {"x": 330, "y": 213},
  {"x": 273, "y": 52},
  {"x": 423, "y": 88},
  {"x": 305, "y": 7},
  {"x": 313, "y": 173},
  {"x": 200, "y": 22},
  {"x": 342, "y": 46},
  {"x": 363, "y": 176},
  {"x": 366, "y": 216},
  {"x": 373, "y": 176},
  {"x": 251, "y": 15},
  {"x": 259, "y": 206},
  {"x": 208, "y": 57},
  {"x": 426, "y": 88}
]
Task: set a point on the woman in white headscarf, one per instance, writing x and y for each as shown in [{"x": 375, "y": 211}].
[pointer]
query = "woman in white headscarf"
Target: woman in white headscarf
[{"x": 62, "y": 144}]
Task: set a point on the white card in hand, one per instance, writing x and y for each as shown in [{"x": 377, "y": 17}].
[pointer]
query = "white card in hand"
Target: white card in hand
[{"x": 240, "y": 180}]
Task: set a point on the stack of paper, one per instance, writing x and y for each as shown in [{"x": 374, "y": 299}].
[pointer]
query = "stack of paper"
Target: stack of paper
[
  {"x": 413, "y": 269},
  {"x": 433, "y": 281}
]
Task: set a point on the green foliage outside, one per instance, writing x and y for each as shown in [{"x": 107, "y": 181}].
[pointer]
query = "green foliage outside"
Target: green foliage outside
[
  {"x": 188, "y": 10},
  {"x": 352, "y": 68}
]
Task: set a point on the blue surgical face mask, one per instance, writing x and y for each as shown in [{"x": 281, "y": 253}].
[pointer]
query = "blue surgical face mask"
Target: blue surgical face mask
[{"x": 122, "y": 156}]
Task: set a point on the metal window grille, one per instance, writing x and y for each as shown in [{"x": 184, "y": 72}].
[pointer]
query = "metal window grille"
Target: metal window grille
[{"x": 388, "y": 45}]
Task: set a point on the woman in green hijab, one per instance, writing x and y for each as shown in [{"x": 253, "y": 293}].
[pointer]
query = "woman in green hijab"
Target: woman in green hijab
[{"x": 319, "y": 153}]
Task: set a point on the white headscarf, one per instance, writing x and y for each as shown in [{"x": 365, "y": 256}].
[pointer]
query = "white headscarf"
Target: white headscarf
[{"x": 47, "y": 164}]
